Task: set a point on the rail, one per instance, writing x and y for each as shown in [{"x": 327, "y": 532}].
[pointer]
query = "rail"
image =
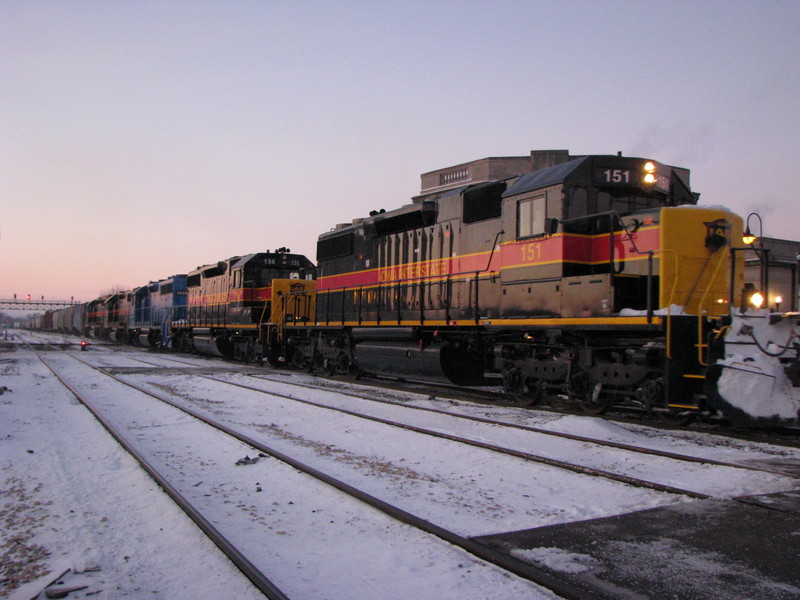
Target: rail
[
  {"x": 257, "y": 578},
  {"x": 700, "y": 342}
]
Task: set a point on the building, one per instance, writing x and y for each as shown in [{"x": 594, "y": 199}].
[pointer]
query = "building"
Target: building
[
  {"x": 771, "y": 264},
  {"x": 435, "y": 183}
]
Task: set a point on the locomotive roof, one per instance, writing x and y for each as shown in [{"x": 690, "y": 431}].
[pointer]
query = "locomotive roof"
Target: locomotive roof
[{"x": 544, "y": 177}]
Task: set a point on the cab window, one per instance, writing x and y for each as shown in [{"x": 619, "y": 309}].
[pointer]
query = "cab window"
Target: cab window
[{"x": 530, "y": 216}]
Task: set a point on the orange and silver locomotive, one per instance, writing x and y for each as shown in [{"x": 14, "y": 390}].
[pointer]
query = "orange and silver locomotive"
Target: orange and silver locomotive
[{"x": 590, "y": 277}]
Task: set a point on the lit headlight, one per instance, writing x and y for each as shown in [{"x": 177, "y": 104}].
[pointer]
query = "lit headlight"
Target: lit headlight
[
  {"x": 649, "y": 167},
  {"x": 649, "y": 178}
]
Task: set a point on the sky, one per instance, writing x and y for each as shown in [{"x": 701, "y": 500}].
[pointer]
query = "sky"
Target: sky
[{"x": 141, "y": 139}]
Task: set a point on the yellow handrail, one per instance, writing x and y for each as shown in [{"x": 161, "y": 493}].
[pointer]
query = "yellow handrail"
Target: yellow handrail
[
  {"x": 261, "y": 320},
  {"x": 700, "y": 344},
  {"x": 671, "y": 298}
]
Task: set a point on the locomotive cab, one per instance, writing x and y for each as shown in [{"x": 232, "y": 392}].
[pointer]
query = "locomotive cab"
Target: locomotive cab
[{"x": 596, "y": 262}]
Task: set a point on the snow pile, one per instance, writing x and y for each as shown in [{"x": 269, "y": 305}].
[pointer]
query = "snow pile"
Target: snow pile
[
  {"x": 661, "y": 312},
  {"x": 752, "y": 380},
  {"x": 719, "y": 207}
]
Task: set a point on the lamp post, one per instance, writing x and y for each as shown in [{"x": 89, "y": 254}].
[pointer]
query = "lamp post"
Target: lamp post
[{"x": 749, "y": 238}]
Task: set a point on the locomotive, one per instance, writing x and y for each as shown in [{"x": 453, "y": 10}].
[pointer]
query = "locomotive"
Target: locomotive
[
  {"x": 596, "y": 279},
  {"x": 232, "y": 306},
  {"x": 222, "y": 309}
]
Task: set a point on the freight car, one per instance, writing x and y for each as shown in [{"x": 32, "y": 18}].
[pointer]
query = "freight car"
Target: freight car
[
  {"x": 70, "y": 319},
  {"x": 596, "y": 278}
]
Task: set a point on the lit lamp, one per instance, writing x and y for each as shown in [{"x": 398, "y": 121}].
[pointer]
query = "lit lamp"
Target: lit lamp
[
  {"x": 757, "y": 299},
  {"x": 778, "y": 300},
  {"x": 748, "y": 238}
]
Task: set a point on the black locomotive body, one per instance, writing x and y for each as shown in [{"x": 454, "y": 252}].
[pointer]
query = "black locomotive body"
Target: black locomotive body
[
  {"x": 229, "y": 304},
  {"x": 551, "y": 280}
]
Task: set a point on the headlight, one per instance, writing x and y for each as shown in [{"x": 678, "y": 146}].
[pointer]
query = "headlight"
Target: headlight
[
  {"x": 649, "y": 167},
  {"x": 649, "y": 178}
]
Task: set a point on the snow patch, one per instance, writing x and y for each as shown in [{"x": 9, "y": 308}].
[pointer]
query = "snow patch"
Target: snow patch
[
  {"x": 558, "y": 559},
  {"x": 672, "y": 310}
]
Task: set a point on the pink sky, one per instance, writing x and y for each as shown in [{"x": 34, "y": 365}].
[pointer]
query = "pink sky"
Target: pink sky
[{"x": 139, "y": 140}]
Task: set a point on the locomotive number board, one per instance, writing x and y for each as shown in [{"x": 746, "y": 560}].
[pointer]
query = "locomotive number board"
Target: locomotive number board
[{"x": 629, "y": 177}]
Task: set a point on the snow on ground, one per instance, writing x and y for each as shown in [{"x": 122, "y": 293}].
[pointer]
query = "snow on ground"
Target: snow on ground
[
  {"x": 71, "y": 497},
  {"x": 76, "y": 500},
  {"x": 703, "y": 478}
]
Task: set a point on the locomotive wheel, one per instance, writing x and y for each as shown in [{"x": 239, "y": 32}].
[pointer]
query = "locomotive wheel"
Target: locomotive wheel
[
  {"x": 328, "y": 367},
  {"x": 512, "y": 381},
  {"x": 651, "y": 394},
  {"x": 298, "y": 361},
  {"x": 534, "y": 392},
  {"x": 249, "y": 355},
  {"x": 593, "y": 401},
  {"x": 348, "y": 367}
]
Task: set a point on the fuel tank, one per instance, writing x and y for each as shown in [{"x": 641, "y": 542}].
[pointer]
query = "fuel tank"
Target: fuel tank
[
  {"x": 205, "y": 343},
  {"x": 401, "y": 359},
  {"x": 438, "y": 363}
]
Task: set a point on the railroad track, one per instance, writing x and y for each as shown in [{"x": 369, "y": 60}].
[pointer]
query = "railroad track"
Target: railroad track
[
  {"x": 548, "y": 460},
  {"x": 497, "y": 448},
  {"x": 561, "y": 587},
  {"x": 259, "y": 579},
  {"x": 528, "y": 428},
  {"x": 780, "y": 435}
]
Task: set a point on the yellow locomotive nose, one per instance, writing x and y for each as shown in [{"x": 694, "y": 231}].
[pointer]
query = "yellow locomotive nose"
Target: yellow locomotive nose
[{"x": 695, "y": 261}]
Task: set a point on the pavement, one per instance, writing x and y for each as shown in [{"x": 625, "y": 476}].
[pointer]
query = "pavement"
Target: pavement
[{"x": 716, "y": 549}]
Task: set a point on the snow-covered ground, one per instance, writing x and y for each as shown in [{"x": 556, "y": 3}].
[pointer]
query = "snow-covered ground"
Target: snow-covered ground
[{"x": 71, "y": 497}]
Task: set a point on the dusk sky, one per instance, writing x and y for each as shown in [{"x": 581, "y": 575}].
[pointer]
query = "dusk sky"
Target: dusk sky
[{"x": 142, "y": 139}]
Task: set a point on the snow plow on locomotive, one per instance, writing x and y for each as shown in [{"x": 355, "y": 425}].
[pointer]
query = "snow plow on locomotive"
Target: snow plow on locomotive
[{"x": 596, "y": 279}]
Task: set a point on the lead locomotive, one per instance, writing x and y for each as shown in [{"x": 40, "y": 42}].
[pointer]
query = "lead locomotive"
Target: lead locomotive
[{"x": 595, "y": 278}]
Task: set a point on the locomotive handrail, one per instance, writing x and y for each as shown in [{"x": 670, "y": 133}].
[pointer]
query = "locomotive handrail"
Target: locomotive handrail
[
  {"x": 700, "y": 344},
  {"x": 421, "y": 279},
  {"x": 671, "y": 298},
  {"x": 259, "y": 337}
]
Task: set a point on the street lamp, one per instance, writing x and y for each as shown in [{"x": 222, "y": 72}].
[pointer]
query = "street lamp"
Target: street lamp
[
  {"x": 748, "y": 238},
  {"x": 757, "y": 299}
]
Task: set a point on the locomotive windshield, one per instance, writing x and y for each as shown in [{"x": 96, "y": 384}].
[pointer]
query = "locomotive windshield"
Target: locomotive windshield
[{"x": 582, "y": 202}]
